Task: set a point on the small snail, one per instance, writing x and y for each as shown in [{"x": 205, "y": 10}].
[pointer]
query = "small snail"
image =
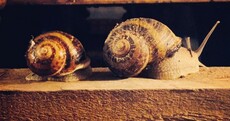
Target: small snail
[
  {"x": 56, "y": 54},
  {"x": 147, "y": 46}
]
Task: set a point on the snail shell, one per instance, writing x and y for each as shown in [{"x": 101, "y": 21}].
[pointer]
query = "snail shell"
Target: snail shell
[
  {"x": 136, "y": 43},
  {"x": 56, "y": 53}
]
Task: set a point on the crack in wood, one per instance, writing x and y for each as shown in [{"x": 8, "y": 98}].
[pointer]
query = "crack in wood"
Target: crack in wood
[{"x": 2, "y": 73}]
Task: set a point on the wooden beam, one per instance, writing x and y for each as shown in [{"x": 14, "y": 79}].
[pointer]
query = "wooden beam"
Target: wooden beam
[
  {"x": 79, "y": 2},
  {"x": 200, "y": 96}
]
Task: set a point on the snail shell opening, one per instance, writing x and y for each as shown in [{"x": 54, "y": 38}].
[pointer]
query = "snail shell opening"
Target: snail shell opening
[
  {"x": 56, "y": 53},
  {"x": 137, "y": 42}
]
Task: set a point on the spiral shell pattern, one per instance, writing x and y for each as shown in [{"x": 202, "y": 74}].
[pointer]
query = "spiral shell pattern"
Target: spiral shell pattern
[
  {"x": 137, "y": 42},
  {"x": 56, "y": 53}
]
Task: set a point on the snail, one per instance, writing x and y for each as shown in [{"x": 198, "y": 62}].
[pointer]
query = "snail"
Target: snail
[
  {"x": 145, "y": 46},
  {"x": 55, "y": 55}
]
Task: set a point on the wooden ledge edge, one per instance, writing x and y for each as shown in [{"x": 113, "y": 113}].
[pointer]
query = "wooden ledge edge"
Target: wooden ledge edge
[{"x": 103, "y": 79}]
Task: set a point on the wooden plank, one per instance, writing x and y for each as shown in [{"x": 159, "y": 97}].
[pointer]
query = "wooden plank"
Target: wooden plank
[
  {"x": 201, "y": 96},
  {"x": 78, "y": 2}
]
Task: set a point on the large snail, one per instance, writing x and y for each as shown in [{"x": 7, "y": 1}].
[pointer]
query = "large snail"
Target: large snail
[
  {"x": 147, "y": 46},
  {"x": 55, "y": 55}
]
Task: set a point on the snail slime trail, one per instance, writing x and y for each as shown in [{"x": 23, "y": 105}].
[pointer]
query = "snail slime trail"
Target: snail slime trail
[
  {"x": 148, "y": 47},
  {"x": 57, "y": 56}
]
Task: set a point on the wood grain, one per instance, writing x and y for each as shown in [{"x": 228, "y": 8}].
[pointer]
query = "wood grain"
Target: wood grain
[
  {"x": 71, "y": 2},
  {"x": 112, "y": 105}
]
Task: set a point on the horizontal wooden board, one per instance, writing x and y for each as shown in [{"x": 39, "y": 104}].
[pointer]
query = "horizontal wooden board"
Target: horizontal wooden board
[
  {"x": 200, "y": 96},
  {"x": 70, "y": 2}
]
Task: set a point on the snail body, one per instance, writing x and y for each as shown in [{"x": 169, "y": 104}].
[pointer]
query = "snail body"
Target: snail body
[
  {"x": 56, "y": 54},
  {"x": 158, "y": 52},
  {"x": 181, "y": 64}
]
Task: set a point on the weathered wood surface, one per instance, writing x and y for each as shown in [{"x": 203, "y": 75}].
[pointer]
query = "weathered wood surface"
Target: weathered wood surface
[
  {"x": 103, "y": 79},
  {"x": 71, "y": 2},
  {"x": 201, "y": 96}
]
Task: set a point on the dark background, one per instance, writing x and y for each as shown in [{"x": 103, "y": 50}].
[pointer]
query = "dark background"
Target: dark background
[{"x": 19, "y": 22}]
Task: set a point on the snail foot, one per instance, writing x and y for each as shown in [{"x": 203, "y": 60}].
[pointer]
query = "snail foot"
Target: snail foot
[{"x": 78, "y": 75}]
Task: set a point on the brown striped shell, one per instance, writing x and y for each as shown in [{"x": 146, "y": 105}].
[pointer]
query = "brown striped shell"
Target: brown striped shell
[
  {"x": 56, "y": 53},
  {"x": 137, "y": 42}
]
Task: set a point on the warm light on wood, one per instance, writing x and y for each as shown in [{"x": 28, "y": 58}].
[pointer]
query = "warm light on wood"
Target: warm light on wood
[
  {"x": 103, "y": 79},
  {"x": 53, "y": 2}
]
